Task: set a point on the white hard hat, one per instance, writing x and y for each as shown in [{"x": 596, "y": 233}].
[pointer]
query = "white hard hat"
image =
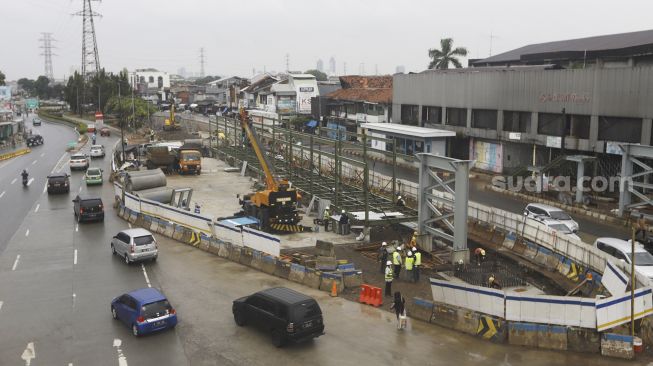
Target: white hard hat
[
  {"x": 343, "y": 211},
  {"x": 399, "y": 197},
  {"x": 388, "y": 263},
  {"x": 384, "y": 243},
  {"x": 409, "y": 253},
  {"x": 414, "y": 249},
  {"x": 399, "y": 247}
]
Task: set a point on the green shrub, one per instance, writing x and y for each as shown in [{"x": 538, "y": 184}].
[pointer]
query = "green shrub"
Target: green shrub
[{"x": 81, "y": 128}]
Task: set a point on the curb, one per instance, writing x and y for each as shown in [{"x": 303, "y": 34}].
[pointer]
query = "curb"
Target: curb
[{"x": 14, "y": 154}]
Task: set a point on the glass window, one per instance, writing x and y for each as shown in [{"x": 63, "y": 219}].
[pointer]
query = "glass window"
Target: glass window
[
  {"x": 409, "y": 114},
  {"x": 620, "y": 129},
  {"x": 515, "y": 121},
  {"x": 151, "y": 79},
  {"x": 431, "y": 114},
  {"x": 156, "y": 309},
  {"x": 484, "y": 118},
  {"x": 306, "y": 310},
  {"x": 457, "y": 116},
  {"x": 143, "y": 240},
  {"x": 551, "y": 124}
]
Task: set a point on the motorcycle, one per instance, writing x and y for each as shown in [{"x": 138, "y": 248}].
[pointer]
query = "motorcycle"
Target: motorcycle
[{"x": 25, "y": 181}]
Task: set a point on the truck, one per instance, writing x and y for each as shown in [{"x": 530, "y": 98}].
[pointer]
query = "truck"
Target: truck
[{"x": 174, "y": 157}]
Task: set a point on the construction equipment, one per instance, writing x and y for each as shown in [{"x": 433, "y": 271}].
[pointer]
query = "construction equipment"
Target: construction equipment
[
  {"x": 276, "y": 206},
  {"x": 174, "y": 157},
  {"x": 171, "y": 124}
]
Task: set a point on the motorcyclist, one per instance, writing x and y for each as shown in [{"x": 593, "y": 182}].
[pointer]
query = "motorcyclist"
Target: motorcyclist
[{"x": 25, "y": 175}]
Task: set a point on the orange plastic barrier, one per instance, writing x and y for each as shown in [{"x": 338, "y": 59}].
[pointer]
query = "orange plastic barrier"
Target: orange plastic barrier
[
  {"x": 364, "y": 296},
  {"x": 371, "y": 295}
]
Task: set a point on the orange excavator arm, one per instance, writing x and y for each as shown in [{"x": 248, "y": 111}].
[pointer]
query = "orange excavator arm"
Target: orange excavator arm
[{"x": 270, "y": 182}]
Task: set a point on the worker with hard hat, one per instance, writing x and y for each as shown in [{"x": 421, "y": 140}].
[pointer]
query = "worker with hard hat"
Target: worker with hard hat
[
  {"x": 418, "y": 264},
  {"x": 493, "y": 283},
  {"x": 326, "y": 217},
  {"x": 383, "y": 255},
  {"x": 344, "y": 223},
  {"x": 409, "y": 263},
  {"x": 396, "y": 261},
  {"x": 389, "y": 276},
  {"x": 479, "y": 253},
  {"x": 400, "y": 201}
]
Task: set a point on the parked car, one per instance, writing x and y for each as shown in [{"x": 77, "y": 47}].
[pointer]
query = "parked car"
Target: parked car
[
  {"x": 36, "y": 121},
  {"x": 93, "y": 176},
  {"x": 34, "y": 140},
  {"x": 88, "y": 208},
  {"x": 97, "y": 151},
  {"x": 135, "y": 245},
  {"x": 622, "y": 249},
  {"x": 537, "y": 209},
  {"x": 58, "y": 183},
  {"x": 105, "y": 131},
  {"x": 287, "y": 314},
  {"x": 560, "y": 228},
  {"x": 79, "y": 161},
  {"x": 146, "y": 310}
]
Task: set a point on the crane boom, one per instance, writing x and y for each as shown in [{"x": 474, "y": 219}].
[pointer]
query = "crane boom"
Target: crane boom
[{"x": 270, "y": 182}]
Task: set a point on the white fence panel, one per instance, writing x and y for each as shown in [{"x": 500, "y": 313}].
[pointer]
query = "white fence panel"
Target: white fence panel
[
  {"x": 261, "y": 241},
  {"x": 476, "y": 298},
  {"x": 615, "y": 310},
  {"x": 230, "y": 234},
  {"x": 588, "y": 313},
  {"x": 545, "y": 309}
]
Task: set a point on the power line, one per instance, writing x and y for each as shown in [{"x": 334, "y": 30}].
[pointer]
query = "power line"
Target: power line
[
  {"x": 47, "y": 47},
  {"x": 90, "y": 56},
  {"x": 202, "y": 62}
]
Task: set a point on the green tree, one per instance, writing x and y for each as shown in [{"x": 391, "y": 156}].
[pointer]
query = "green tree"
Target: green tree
[
  {"x": 207, "y": 79},
  {"x": 319, "y": 75},
  {"x": 2, "y": 78},
  {"x": 135, "y": 115},
  {"x": 441, "y": 58},
  {"x": 42, "y": 87}
]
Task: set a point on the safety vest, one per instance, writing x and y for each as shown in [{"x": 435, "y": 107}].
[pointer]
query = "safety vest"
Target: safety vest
[
  {"x": 418, "y": 259},
  {"x": 409, "y": 263},
  {"x": 327, "y": 214},
  {"x": 396, "y": 258},
  {"x": 388, "y": 274}
]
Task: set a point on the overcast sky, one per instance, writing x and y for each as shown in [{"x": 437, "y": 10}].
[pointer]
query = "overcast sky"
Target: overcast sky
[{"x": 239, "y": 35}]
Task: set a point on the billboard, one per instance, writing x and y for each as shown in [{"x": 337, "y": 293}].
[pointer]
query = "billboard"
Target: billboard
[
  {"x": 304, "y": 95},
  {"x": 488, "y": 156},
  {"x": 31, "y": 103},
  {"x": 285, "y": 105},
  {"x": 5, "y": 92}
]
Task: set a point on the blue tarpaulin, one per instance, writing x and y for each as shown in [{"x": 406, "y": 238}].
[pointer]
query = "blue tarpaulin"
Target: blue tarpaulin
[
  {"x": 311, "y": 124},
  {"x": 239, "y": 221}
]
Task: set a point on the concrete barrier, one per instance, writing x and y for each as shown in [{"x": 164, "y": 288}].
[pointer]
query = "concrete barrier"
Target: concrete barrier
[
  {"x": 492, "y": 329},
  {"x": 269, "y": 264},
  {"x": 328, "y": 278},
  {"x": 178, "y": 232},
  {"x": 324, "y": 249},
  {"x": 246, "y": 256},
  {"x": 467, "y": 321},
  {"x": 225, "y": 250},
  {"x": 312, "y": 278},
  {"x": 234, "y": 253},
  {"x": 133, "y": 217},
  {"x": 186, "y": 236},
  {"x": 583, "y": 340},
  {"x": 519, "y": 247},
  {"x": 617, "y": 345},
  {"x": 509, "y": 241},
  {"x": 530, "y": 251},
  {"x": 139, "y": 220},
  {"x": 444, "y": 315},
  {"x": 564, "y": 266},
  {"x": 282, "y": 268},
  {"x": 420, "y": 309},
  {"x": 545, "y": 258},
  {"x": 352, "y": 278},
  {"x": 297, "y": 273},
  {"x": 522, "y": 334},
  {"x": 154, "y": 225},
  {"x": 257, "y": 260},
  {"x": 345, "y": 267},
  {"x": 205, "y": 242},
  {"x": 552, "y": 337},
  {"x": 146, "y": 222},
  {"x": 214, "y": 247},
  {"x": 121, "y": 211},
  {"x": 169, "y": 229},
  {"x": 326, "y": 263}
]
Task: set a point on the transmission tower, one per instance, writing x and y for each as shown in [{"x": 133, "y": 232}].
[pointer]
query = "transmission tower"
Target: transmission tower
[
  {"x": 47, "y": 47},
  {"x": 202, "y": 62},
  {"x": 90, "y": 56},
  {"x": 287, "y": 62}
]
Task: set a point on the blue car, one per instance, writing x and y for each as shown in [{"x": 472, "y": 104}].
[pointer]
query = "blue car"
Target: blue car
[{"x": 145, "y": 311}]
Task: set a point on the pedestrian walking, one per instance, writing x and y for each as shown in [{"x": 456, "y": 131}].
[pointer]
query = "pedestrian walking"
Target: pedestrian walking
[
  {"x": 396, "y": 261},
  {"x": 326, "y": 216},
  {"x": 383, "y": 255},
  {"x": 399, "y": 306},
  {"x": 388, "y": 278},
  {"x": 418, "y": 264},
  {"x": 409, "y": 263}
]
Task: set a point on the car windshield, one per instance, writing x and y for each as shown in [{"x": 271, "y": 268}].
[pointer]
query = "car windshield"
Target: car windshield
[
  {"x": 561, "y": 228},
  {"x": 559, "y": 215},
  {"x": 156, "y": 309},
  {"x": 643, "y": 258},
  {"x": 306, "y": 310},
  {"x": 93, "y": 172},
  {"x": 143, "y": 240},
  {"x": 91, "y": 203},
  {"x": 191, "y": 157}
]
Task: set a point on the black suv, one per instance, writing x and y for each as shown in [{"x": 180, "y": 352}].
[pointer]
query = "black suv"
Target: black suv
[
  {"x": 287, "y": 314},
  {"x": 88, "y": 208},
  {"x": 34, "y": 140},
  {"x": 58, "y": 183}
]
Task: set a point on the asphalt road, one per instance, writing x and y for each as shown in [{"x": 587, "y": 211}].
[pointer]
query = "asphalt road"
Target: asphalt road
[{"x": 58, "y": 277}]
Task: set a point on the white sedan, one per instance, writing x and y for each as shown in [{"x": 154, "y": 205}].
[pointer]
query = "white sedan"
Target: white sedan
[
  {"x": 97, "y": 151},
  {"x": 79, "y": 161}
]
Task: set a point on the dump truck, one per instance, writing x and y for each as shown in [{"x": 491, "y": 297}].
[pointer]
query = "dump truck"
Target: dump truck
[{"x": 174, "y": 157}]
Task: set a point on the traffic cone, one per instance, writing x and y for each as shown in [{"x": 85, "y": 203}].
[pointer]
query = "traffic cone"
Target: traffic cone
[{"x": 334, "y": 289}]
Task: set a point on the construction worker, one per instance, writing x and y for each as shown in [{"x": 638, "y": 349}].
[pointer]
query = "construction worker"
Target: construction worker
[
  {"x": 418, "y": 264},
  {"x": 493, "y": 283},
  {"x": 383, "y": 255},
  {"x": 401, "y": 202},
  {"x": 396, "y": 261},
  {"x": 344, "y": 223},
  {"x": 641, "y": 230},
  {"x": 388, "y": 279},
  {"x": 413, "y": 240},
  {"x": 479, "y": 253},
  {"x": 326, "y": 217},
  {"x": 409, "y": 263}
]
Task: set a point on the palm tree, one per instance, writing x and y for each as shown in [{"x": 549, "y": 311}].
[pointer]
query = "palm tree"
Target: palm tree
[{"x": 445, "y": 55}]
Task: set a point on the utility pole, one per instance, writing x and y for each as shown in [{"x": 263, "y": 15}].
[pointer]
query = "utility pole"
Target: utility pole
[
  {"x": 202, "y": 62},
  {"x": 344, "y": 68},
  {"x": 47, "y": 47},
  {"x": 287, "y": 62}
]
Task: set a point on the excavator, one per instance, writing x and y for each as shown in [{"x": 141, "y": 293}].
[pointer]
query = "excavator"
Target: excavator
[
  {"x": 275, "y": 206},
  {"x": 171, "y": 124}
]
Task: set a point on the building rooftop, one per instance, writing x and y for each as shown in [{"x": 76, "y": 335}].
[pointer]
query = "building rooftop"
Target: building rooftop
[
  {"x": 622, "y": 44},
  {"x": 415, "y": 131},
  {"x": 373, "y": 89}
]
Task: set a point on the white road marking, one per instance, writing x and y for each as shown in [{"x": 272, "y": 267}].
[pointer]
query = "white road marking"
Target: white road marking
[
  {"x": 37, "y": 207},
  {"x": 2, "y": 194},
  {"x": 13, "y": 268},
  {"x": 74, "y": 298},
  {"x": 75, "y": 257},
  {"x": 1, "y": 305},
  {"x": 43, "y": 154},
  {"x": 30, "y": 181},
  {"x": 45, "y": 187},
  {"x": 27, "y": 232},
  {"x": 57, "y": 167},
  {"x": 14, "y": 181},
  {"x": 147, "y": 279},
  {"x": 122, "y": 360},
  {"x": 34, "y": 162},
  {"x": 129, "y": 224},
  {"x": 76, "y": 227},
  {"x": 29, "y": 354},
  {"x": 80, "y": 188}
]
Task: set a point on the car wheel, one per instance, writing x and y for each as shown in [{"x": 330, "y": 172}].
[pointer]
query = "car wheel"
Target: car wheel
[
  {"x": 239, "y": 319},
  {"x": 277, "y": 338},
  {"x": 113, "y": 250},
  {"x": 127, "y": 261},
  {"x": 154, "y": 259},
  {"x": 135, "y": 330},
  {"x": 114, "y": 314}
]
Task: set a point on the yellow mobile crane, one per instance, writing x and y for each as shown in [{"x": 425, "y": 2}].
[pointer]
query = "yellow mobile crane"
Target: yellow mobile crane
[{"x": 276, "y": 206}]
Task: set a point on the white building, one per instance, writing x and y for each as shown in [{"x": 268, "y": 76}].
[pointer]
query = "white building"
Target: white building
[{"x": 149, "y": 79}]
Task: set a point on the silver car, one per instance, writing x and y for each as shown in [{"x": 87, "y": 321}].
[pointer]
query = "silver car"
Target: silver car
[{"x": 135, "y": 245}]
